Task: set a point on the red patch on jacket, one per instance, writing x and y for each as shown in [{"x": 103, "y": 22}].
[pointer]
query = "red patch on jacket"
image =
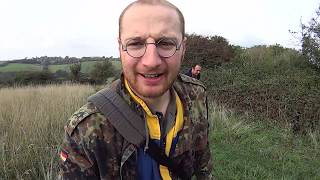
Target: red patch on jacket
[{"x": 63, "y": 156}]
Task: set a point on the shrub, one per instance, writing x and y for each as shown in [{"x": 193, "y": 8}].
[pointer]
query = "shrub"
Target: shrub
[
  {"x": 37, "y": 77},
  {"x": 102, "y": 71},
  {"x": 209, "y": 51},
  {"x": 281, "y": 86},
  {"x": 75, "y": 71}
]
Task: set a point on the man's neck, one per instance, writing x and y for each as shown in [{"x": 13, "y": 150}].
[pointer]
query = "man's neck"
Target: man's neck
[{"x": 158, "y": 104}]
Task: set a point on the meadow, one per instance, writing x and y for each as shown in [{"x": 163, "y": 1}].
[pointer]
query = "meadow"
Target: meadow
[
  {"x": 86, "y": 67},
  {"x": 31, "y": 130},
  {"x": 18, "y": 67}
]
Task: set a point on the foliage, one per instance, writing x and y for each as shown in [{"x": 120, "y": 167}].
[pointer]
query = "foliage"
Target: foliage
[
  {"x": 75, "y": 71},
  {"x": 102, "y": 71},
  {"x": 60, "y": 74},
  {"x": 3, "y": 63},
  {"x": 7, "y": 78},
  {"x": 37, "y": 77},
  {"x": 311, "y": 39},
  {"x": 209, "y": 51},
  {"x": 271, "y": 82}
]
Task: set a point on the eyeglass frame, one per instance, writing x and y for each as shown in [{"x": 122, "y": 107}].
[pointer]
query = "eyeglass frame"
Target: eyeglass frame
[{"x": 178, "y": 46}]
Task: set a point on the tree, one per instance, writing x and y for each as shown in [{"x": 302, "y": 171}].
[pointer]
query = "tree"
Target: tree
[
  {"x": 102, "y": 71},
  {"x": 208, "y": 51},
  {"x": 75, "y": 71},
  {"x": 311, "y": 39},
  {"x": 37, "y": 77}
]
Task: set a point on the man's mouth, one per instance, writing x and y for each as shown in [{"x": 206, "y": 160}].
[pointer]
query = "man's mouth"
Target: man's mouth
[{"x": 151, "y": 75}]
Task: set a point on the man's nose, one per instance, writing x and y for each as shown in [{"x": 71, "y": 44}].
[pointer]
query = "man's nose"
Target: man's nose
[{"x": 151, "y": 57}]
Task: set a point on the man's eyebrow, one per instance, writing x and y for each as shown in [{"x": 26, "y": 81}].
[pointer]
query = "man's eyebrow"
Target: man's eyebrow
[
  {"x": 167, "y": 37},
  {"x": 137, "y": 38}
]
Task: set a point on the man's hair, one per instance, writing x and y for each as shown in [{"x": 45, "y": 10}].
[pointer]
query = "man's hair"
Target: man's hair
[
  {"x": 155, "y": 2},
  {"x": 195, "y": 64}
]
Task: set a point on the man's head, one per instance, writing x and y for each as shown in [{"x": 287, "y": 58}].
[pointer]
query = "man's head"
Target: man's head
[
  {"x": 196, "y": 70},
  {"x": 151, "y": 45},
  {"x": 154, "y": 2}
]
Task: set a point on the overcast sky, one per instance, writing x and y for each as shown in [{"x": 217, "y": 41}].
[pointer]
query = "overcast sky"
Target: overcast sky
[{"x": 30, "y": 28}]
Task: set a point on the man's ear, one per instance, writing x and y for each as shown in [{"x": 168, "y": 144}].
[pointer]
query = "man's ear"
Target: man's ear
[
  {"x": 119, "y": 44},
  {"x": 183, "y": 44}
]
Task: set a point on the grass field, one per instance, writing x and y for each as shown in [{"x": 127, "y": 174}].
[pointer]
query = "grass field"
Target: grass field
[
  {"x": 243, "y": 149},
  {"x": 18, "y": 67},
  {"x": 63, "y": 67},
  {"x": 86, "y": 67},
  {"x": 31, "y": 130}
]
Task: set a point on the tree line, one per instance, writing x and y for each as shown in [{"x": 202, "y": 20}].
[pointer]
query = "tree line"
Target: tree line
[{"x": 58, "y": 60}]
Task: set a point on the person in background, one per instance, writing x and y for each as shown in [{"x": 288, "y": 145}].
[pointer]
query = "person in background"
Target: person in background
[
  {"x": 194, "y": 71},
  {"x": 172, "y": 108}
]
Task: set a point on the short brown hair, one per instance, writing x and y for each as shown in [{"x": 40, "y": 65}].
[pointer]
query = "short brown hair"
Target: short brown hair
[{"x": 155, "y": 2}]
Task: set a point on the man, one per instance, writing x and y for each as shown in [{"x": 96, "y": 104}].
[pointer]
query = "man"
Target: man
[
  {"x": 172, "y": 107},
  {"x": 194, "y": 72}
]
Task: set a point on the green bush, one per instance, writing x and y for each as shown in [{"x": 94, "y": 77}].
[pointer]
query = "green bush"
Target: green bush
[
  {"x": 209, "y": 51},
  {"x": 102, "y": 71},
  {"x": 75, "y": 71},
  {"x": 272, "y": 82},
  {"x": 37, "y": 77}
]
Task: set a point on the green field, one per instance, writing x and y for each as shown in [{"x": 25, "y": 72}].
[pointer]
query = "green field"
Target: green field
[
  {"x": 18, "y": 67},
  {"x": 63, "y": 67},
  {"x": 86, "y": 67},
  {"x": 243, "y": 149}
]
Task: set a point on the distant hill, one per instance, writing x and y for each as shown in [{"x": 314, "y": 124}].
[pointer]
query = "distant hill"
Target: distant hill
[
  {"x": 18, "y": 67},
  {"x": 56, "y": 69},
  {"x": 53, "y": 64},
  {"x": 57, "y": 60}
]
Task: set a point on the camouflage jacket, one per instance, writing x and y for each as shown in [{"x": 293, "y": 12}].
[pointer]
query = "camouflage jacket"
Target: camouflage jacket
[{"x": 93, "y": 149}]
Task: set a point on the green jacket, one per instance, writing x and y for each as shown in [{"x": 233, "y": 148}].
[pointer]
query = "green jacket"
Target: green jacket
[{"x": 93, "y": 149}]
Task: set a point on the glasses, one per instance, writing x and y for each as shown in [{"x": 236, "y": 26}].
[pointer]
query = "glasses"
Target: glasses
[{"x": 165, "y": 47}]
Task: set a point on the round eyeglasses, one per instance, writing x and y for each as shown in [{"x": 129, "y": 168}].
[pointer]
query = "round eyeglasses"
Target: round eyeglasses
[{"x": 137, "y": 48}]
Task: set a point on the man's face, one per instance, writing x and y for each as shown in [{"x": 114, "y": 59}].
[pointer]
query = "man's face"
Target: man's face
[
  {"x": 150, "y": 75},
  {"x": 196, "y": 70}
]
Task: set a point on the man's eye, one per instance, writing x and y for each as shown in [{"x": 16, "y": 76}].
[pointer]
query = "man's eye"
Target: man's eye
[
  {"x": 135, "y": 44},
  {"x": 166, "y": 44}
]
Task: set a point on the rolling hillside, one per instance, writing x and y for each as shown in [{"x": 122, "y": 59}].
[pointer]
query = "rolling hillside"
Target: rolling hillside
[
  {"x": 18, "y": 67},
  {"x": 86, "y": 67}
]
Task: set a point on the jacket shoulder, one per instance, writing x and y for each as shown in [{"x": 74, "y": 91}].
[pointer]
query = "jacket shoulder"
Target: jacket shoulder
[
  {"x": 77, "y": 117},
  {"x": 192, "y": 81}
]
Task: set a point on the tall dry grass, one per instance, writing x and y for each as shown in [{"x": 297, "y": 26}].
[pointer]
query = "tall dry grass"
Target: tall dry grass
[{"x": 31, "y": 128}]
